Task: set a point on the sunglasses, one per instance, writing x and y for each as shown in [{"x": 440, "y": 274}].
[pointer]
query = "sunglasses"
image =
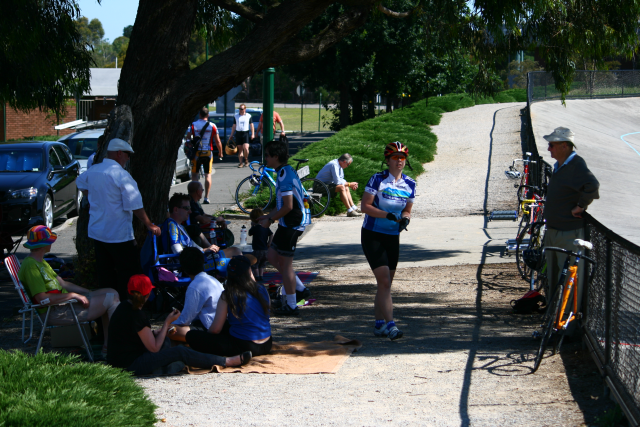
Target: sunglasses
[
  {"x": 241, "y": 109},
  {"x": 186, "y": 208},
  {"x": 397, "y": 157}
]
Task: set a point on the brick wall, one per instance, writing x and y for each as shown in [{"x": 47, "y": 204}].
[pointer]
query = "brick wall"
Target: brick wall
[{"x": 25, "y": 125}]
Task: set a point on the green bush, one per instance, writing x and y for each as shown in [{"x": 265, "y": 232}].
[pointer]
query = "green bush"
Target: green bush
[
  {"x": 54, "y": 389},
  {"x": 520, "y": 95}
]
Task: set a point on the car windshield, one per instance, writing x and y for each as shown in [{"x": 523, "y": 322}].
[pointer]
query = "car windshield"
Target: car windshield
[
  {"x": 82, "y": 148},
  {"x": 219, "y": 120},
  {"x": 21, "y": 160}
]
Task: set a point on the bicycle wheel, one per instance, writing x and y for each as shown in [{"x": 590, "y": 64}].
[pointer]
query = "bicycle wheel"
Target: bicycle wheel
[
  {"x": 548, "y": 321},
  {"x": 534, "y": 232},
  {"x": 253, "y": 194},
  {"x": 319, "y": 196}
]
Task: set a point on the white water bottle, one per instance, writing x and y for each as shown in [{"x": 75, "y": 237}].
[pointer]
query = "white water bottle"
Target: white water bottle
[{"x": 243, "y": 236}]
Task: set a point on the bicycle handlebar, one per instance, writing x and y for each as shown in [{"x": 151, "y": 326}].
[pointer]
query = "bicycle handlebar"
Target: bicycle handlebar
[{"x": 568, "y": 252}]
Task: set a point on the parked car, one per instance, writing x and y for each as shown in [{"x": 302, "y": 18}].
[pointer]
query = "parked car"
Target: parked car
[
  {"x": 37, "y": 184},
  {"x": 84, "y": 143}
]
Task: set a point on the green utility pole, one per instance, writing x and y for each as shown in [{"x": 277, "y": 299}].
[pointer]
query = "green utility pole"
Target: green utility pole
[{"x": 267, "y": 107}]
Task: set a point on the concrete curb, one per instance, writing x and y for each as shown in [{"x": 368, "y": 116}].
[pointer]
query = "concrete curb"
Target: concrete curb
[{"x": 65, "y": 225}]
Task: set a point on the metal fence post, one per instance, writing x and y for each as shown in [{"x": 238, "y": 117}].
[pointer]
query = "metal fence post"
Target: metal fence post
[
  {"x": 319, "y": 111},
  {"x": 608, "y": 302}
]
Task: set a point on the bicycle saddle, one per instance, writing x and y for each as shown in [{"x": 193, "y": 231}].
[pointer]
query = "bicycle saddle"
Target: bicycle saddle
[{"x": 300, "y": 160}]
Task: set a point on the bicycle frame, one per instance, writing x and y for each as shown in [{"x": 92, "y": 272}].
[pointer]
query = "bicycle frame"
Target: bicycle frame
[{"x": 262, "y": 170}]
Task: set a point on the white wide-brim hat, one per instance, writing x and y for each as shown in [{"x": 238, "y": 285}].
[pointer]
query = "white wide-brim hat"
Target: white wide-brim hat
[
  {"x": 561, "y": 134},
  {"x": 117, "y": 144}
]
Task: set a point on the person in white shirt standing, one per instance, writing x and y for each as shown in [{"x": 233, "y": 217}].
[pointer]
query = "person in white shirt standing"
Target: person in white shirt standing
[
  {"x": 242, "y": 128},
  {"x": 204, "y": 153},
  {"x": 113, "y": 200}
]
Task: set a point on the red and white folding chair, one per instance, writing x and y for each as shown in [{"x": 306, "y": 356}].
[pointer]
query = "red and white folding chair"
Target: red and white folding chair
[{"x": 13, "y": 266}]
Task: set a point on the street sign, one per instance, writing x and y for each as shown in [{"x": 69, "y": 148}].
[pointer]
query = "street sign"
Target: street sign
[{"x": 300, "y": 90}]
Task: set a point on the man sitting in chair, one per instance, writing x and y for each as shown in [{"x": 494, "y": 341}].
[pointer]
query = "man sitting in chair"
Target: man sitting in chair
[
  {"x": 175, "y": 238},
  {"x": 202, "y": 295},
  {"x": 46, "y": 287}
]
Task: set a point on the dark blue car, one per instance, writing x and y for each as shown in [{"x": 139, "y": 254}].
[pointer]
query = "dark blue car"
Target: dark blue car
[{"x": 37, "y": 184}]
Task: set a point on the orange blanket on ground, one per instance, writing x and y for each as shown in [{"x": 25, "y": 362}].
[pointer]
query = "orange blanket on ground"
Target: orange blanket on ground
[{"x": 301, "y": 357}]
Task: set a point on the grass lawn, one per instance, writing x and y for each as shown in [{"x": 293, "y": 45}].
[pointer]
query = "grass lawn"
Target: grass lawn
[
  {"x": 291, "y": 118},
  {"x": 59, "y": 390},
  {"x": 365, "y": 141}
]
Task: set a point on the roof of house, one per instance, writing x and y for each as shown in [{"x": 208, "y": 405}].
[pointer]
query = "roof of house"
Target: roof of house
[{"x": 104, "y": 81}]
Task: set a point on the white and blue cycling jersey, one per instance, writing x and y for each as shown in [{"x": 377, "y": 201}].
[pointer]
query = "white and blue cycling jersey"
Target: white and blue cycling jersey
[
  {"x": 288, "y": 184},
  {"x": 389, "y": 196}
]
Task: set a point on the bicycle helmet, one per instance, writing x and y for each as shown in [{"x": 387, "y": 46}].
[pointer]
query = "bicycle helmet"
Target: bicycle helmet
[
  {"x": 532, "y": 258},
  {"x": 513, "y": 174},
  {"x": 395, "y": 148}
]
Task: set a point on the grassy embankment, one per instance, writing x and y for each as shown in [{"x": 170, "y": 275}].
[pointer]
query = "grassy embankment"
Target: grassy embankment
[
  {"x": 411, "y": 126},
  {"x": 53, "y": 389}
]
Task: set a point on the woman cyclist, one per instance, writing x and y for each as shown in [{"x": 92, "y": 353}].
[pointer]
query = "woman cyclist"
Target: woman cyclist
[{"x": 387, "y": 202}]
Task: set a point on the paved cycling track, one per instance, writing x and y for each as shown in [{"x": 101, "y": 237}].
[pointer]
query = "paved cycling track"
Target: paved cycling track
[{"x": 608, "y": 138}]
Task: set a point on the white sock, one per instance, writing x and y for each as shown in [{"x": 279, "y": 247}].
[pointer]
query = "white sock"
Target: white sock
[
  {"x": 299, "y": 286},
  {"x": 354, "y": 208},
  {"x": 351, "y": 209},
  {"x": 291, "y": 300}
]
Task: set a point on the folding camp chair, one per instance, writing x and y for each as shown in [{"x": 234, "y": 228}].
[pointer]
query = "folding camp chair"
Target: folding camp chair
[
  {"x": 156, "y": 266},
  {"x": 13, "y": 266}
]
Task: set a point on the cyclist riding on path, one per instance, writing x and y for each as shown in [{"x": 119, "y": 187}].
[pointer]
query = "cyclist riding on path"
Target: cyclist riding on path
[
  {"x": 386, "y": 203},
  {"x": 292, "y": 216}
]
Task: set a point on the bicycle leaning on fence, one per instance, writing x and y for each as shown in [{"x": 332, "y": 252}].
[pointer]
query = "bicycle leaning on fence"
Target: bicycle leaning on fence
[
  {"x": 257, "y": 190},
  {"x": 555, "y": 320}
]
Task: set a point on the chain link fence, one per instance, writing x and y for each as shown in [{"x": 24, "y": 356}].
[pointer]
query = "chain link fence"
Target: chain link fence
[
  {"x": 586, "y": 85},
  {"x": 612, "y": 309}
]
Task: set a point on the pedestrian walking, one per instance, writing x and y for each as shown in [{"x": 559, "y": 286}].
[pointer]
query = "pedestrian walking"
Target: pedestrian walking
[{"x": 242, "y": 128}]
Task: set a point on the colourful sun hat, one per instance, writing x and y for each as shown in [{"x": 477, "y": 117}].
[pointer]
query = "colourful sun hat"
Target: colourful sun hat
[{"x": 39, "y": 237}]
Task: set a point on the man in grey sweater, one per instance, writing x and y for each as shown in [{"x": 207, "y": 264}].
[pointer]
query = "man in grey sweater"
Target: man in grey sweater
[{"x": 572, "y": 188}]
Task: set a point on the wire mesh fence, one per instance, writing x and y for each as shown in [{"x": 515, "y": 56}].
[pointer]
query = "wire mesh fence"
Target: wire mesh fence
[
  {"x": 586, "y": 85},
  {"x": 612, "y": 306}
]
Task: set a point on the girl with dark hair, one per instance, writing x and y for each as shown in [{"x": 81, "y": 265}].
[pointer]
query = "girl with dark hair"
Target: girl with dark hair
[
  {"x": 135, "y": 347},
  {"x": 242, "y": 316}
]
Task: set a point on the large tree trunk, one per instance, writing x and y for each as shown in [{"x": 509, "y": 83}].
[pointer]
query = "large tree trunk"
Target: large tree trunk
[
  {"x": 345, "y": 113},
  {"x": 356, "y": 103},
  {"x": 163, "y": 94}
]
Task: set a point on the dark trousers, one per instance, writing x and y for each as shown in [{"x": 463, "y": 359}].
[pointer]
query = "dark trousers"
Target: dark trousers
[
  {"x": 115, "y": 264},
  {"x": 149, "y": 362},
  {"x": 225, "y": 344}
]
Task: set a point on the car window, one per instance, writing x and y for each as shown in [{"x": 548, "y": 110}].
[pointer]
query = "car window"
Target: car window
[
  {"x": 53, "y": 158},
  {"x": 64, "y": 160},
  {"x": 82, "y": 148},
  {"x": 20, "y": 160},
  {"x": 219, "y": 120}
]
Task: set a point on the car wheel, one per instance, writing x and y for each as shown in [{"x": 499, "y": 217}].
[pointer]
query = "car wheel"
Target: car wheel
[
  {"x": 78, "y": 203},
  {"x": 47, "y": 211}
]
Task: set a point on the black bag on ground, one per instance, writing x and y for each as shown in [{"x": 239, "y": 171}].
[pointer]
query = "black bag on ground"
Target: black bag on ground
[
  {"x": 530, "y": 302},
  {"x": 255, "y": 147}
]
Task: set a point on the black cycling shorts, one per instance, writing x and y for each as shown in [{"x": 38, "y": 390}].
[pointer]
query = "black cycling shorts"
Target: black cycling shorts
[
  {"x": 285, "y": 241},
  {"x": 243, "y": 137},
  {"x": 380, "y": 249}
]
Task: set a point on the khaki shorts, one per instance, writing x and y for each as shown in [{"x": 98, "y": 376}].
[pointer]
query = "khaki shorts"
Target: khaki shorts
[{"x": 61, "y": 315}]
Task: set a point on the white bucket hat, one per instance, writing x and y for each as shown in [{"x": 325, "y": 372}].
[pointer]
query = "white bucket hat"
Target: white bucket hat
[
  {"x": 117, "y": 144},
  {"x": 561, "y": 134}
]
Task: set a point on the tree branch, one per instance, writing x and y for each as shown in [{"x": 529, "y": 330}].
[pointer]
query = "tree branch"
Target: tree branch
[
  {"x": 240, "y": 9},
  {"x": 393, "y": 14},
  {"x": 298, "y": 50}
]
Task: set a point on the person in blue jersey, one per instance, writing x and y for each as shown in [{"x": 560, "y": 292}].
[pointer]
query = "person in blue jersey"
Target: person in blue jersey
[
  {"x": 386, "y": 203},
  {"x": 292, "y": 216}
]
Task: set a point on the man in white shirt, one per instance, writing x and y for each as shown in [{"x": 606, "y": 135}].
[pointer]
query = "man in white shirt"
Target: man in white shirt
[
  {"x": 204, "y": 153},
  {"x": 242, "y": 124},
  {"x": 332, "y": 174},
  {"x": 202, "y": 295},
  {"x": 113, "y": 200}
]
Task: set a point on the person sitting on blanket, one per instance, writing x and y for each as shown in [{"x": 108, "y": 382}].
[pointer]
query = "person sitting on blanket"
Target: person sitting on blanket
[
  {"x": 45, "y": 286},
  {"x": 202, "y": 295},
  {"x": 242, "y": 316},
  {"x": 175, "y": 238},
  {"x": 133, "y": 346}
]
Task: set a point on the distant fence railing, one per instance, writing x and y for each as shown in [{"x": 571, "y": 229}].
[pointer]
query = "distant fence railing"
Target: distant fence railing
[
  {"x": 612, "y": 307},
  {"x": 586, "y": 85}
]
